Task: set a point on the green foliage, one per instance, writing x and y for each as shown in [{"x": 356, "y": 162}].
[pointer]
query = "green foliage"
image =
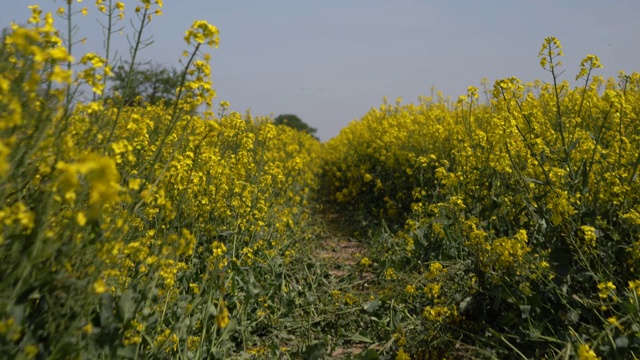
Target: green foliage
[
  {"x": 293, "y": 121},
  {"x": 148, "y": 84}
]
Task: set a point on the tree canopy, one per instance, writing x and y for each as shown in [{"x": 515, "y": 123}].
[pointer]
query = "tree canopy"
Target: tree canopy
[
  {"x": 152, "y": 83},
  {"x": 295, "y": 122}
]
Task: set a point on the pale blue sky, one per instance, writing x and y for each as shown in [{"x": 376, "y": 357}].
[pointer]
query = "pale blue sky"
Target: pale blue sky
[{"x": 330, "y": 61}]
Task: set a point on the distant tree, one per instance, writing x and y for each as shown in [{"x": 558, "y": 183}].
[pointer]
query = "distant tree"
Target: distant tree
[
  {"x": 293, "y": 121},
  {"x": 152, "y": 83}
]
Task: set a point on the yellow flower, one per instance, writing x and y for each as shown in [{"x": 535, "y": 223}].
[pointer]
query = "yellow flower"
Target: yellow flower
[
  {"x": 432, "y": 290},
  {"x": 589, "y": 63},
  {"x": 202, "y": 32},
  {"x": 402, "y": 355},
  {"x": 35, "y": 14},
  {"x": 635, "y": 286},
  {"x": 193, "y": 342},
  {"x": 195, "y": 288},
  {"x": 438, "y": 313},
  {"x": 605, "y": 289},
  {"x": 435, "y": 269},
  {"x": 472, "y": 92},
  {"x": 389, "y": 274},
  {"x": 134, "y": 184},
  {"x": 87, "y": 328},
  {"x": 410, "y": 289},
  {"x": 614, "y": 321},
  {"x": 81, "y": 219},
  {"x": 4, "y": 153},
  {"x": 585, "y": 353},
  {"x": 31, "y": 351},
  {"x": 222, "y": 319},
  {"x": 60, "y": 75},
  {"x": 589, "y": 234},
  {"x": 100, "y": 287}
]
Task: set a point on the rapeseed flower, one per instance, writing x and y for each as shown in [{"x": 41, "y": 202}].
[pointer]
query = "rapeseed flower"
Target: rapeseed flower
[
  {"x": 222, "y": 319},
  {"x": 402, "y": 355},
  {"x": 586, "y": 353}
]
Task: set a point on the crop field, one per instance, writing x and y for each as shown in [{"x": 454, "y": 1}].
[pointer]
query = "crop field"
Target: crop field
[{"x": 504, "y": 224}]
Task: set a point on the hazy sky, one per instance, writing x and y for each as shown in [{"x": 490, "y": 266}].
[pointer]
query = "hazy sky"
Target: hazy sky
[{"x": 330, "y": 61}]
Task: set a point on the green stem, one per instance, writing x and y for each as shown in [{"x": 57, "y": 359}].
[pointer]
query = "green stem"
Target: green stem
[{"x": 136, "y": 48}]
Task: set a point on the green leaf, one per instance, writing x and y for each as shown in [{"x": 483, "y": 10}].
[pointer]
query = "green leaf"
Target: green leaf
[
  {"x": 106, "y": 310},
  {"x": 371, "y": 306},
  {"x": 254, "y": 287},
  {"x": 360, "y": 338},
  {"x": 315, "y": 351},
  {"x": 126, "y": 306},
  {"x": 370, "y": 354},
  {"x": 128, "y": 352},
  {"x": 622, "y": 342},
  {"x": 465, "y": 304},
  {"x": 243, "y": 356},
  {"x": 573, "y": 316}
]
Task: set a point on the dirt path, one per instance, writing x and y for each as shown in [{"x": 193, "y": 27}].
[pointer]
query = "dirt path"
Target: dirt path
[
  {"x": 339, "y": 250},
  {"x": 341, "y": 253}
]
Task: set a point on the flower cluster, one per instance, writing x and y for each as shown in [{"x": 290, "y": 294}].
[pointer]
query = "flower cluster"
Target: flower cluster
[
  {"x": 121, "y": 224},
  {"x": 534, "y": 194}
]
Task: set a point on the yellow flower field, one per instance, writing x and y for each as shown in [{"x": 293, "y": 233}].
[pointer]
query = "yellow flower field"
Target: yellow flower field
[
  {"x": 505, "y": 224},
  {"x": 529, "y": 192}
]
